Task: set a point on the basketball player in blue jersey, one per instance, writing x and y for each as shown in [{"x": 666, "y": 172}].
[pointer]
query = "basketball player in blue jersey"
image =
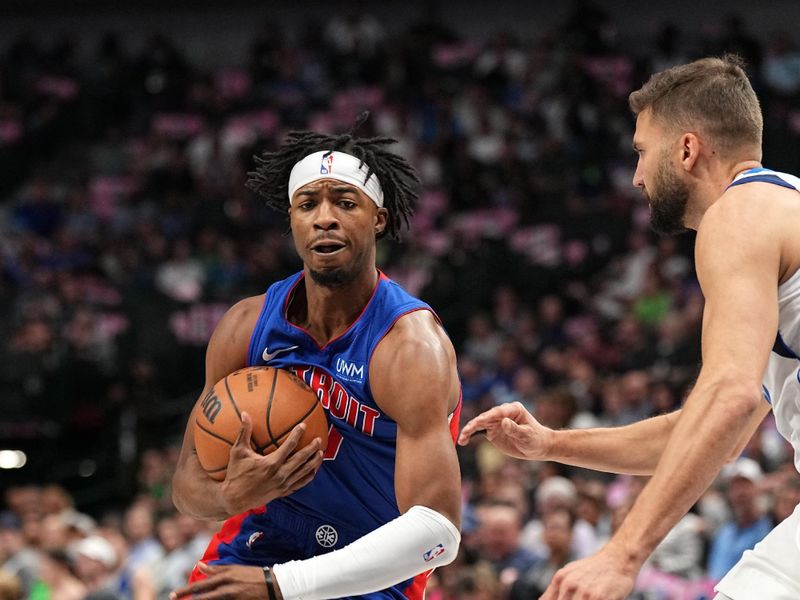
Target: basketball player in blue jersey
[
  {"x": 374, "y": 512},
  {"x": 698, "y": 137}
]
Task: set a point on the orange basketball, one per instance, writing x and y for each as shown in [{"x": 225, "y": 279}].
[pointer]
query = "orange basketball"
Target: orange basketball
[{"x": 276, "y": 401}]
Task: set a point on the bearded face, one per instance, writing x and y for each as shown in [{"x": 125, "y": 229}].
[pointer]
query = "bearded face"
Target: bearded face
[{"x": 668, "y": 196}]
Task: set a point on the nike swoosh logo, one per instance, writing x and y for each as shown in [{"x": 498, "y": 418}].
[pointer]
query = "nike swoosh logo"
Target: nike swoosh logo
[{"x": 268, "y": 356}]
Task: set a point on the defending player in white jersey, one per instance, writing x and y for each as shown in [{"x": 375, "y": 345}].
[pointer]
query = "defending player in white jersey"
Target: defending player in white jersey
[{"x": 698, "y": 137}]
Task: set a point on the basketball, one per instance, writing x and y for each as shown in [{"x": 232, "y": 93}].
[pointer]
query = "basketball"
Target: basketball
[{"x": 276, "y": 401}]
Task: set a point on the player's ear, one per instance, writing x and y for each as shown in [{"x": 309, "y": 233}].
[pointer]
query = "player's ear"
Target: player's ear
[
  {"x": 381, "y": 217},
  {"x": 690, "y": 150}
]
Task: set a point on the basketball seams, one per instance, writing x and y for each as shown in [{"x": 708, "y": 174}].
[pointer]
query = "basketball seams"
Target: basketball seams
[
  {"x": 269, "y": 409},
  {"x": 230, "y": 395},
  {"x": 300, "y": 420},
  {"x": 289, "y": 400},
  {"x": 213, "y": 434}
]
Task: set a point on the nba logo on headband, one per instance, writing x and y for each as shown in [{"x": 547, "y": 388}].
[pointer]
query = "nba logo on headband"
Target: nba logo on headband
[
  {"x": 326, "y": 169},
  {"x": 349, "y": 169}
]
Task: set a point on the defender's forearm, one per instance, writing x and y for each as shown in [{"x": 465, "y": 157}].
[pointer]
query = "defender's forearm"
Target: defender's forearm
[{"x": 633, "y": 449}]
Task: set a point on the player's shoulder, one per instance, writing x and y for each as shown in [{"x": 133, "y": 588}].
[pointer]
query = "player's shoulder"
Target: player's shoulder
[
  {"x": 420, "y": 325},
  {"x": 749, "y": 225},
  {"x": 246, "y": 309},
  {"x": 417, "y": 336},
  {"x": 751, "y": 211},
  {"x": 228, "y": 346},
  {"x": 238, "y": 321},
  {"x": 414, "y": 362}
]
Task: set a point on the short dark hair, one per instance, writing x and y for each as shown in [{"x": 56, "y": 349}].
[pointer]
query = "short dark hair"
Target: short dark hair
[
  {"x": 712, "y": 94},
  {"x": 270, "y": 179}
]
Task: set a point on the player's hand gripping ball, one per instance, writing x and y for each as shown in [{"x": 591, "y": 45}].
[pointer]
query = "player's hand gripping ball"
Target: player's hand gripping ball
[{"x": 276, "y": 401}]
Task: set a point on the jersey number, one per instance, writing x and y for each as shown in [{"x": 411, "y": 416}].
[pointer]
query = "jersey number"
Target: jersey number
[{"x": 334, "y": 443}]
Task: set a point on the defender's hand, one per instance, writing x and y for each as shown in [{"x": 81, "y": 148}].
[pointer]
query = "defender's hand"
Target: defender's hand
[
  {"x": 606, "y": 575},
  {"x": 223, "y": 582},
  {"x": 513, "y": 430},
  {"x": 253, "y": 479}
]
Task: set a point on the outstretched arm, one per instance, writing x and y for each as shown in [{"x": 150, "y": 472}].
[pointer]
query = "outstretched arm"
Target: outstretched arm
[{"x": 633, "y": 449}]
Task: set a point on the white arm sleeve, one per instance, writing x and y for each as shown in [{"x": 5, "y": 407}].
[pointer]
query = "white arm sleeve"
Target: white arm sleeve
[{"x": 416, "y": 541}]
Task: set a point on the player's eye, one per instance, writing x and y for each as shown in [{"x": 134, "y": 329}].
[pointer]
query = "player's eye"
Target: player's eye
[{"x": 347, "y": 204}]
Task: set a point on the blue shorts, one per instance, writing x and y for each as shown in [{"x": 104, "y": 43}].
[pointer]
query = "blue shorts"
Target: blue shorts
[{"x": 278, "y": 534}]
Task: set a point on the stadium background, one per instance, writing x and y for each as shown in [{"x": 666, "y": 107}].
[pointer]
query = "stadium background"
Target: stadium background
[{"x": 126, "y": 129}]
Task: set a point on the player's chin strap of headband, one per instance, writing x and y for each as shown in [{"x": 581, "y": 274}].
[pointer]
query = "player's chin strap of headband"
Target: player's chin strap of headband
[
  {"x": 413, "y": 543},
  {"x": 335, "y": 165}
]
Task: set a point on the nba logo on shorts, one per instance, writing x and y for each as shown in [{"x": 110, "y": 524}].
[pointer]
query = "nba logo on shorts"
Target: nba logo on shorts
[
  {"x": 326, "y": 169},
  {"x": 254, "y": 537}
]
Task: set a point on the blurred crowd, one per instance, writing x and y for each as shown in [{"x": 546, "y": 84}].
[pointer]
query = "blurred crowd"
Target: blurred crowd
[{"x": 127, "y": 232}]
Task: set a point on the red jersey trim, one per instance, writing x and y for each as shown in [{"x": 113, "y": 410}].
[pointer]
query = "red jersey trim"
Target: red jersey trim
[
  {"x": 381, "y": 277},
  {"x": 229, "y": 530},
  {"x": 416, "y": 590}
]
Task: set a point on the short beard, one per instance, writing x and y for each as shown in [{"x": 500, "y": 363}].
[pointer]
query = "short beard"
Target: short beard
[
  {"x": 333, "y": 278},
  {"x": 668, "y": 201}
]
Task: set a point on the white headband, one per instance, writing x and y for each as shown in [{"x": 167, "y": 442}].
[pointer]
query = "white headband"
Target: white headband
[{"x": 335, "y": 165}]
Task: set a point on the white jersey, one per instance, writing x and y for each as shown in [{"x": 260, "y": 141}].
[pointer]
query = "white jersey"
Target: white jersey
[
  {"x": 782, "y": 376},
  {"x": 770, "y": 571}
]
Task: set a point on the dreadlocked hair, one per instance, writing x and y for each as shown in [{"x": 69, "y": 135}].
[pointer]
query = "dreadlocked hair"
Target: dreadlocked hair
[{"x": 270, "y": 179}]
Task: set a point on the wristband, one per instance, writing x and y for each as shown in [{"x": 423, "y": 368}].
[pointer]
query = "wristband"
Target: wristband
[{"x": 270, "y": 584}]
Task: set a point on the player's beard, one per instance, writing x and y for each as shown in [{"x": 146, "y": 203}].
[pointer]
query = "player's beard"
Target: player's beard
[
  {"x": 333, "y": 278},
  {"x": 668, "y": 198}
]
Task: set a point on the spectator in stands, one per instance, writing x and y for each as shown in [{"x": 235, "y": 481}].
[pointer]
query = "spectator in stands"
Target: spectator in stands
[
  {"x": 96, "y": 564},
  {"x": 786, "y": 497},
  {"x": 56, "y": 573},
  {"x": 143, "y": 549},
  {"x": 748, "y": 524},
  {"x": 17, "y": 559},
  {"x": 499, "y": 539},
  {"x": 557, "y": 535},
  {"x": 558, "y": 493}
]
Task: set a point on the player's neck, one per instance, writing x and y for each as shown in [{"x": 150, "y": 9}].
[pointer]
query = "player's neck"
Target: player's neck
[
  {"x": 327, "y": 312},
  {"x": 710, "y": 188}
]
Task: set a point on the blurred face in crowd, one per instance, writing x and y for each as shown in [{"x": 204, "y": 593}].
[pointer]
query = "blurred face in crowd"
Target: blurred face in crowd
[
  {"x": 24, "y": 500},
  {"x": 55, "y": 499},
  {"x": 513, "y": 493},
  {"x": 138, "y": 524},
  {"x": 11, "y": 542},
  {"x": 591, "y": 502},
  {"x": 499, "y": 531},
  {"x": 189, "y": 526},
  {"x": 787, "y": 497},
  {"x": 742, "y": 496},
  {"x": 658, "y": 179},
  {"x": 169, "y": 534},
  {"x": 558, "y": 532},
  {"x": 89, "y": 570},
  {"x": 334, "y": 225},
  {"x": 53, "y": 532}
]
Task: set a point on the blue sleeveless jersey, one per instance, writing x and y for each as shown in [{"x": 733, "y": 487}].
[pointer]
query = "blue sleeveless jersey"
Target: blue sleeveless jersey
[{"x": 353, "y": 492}]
